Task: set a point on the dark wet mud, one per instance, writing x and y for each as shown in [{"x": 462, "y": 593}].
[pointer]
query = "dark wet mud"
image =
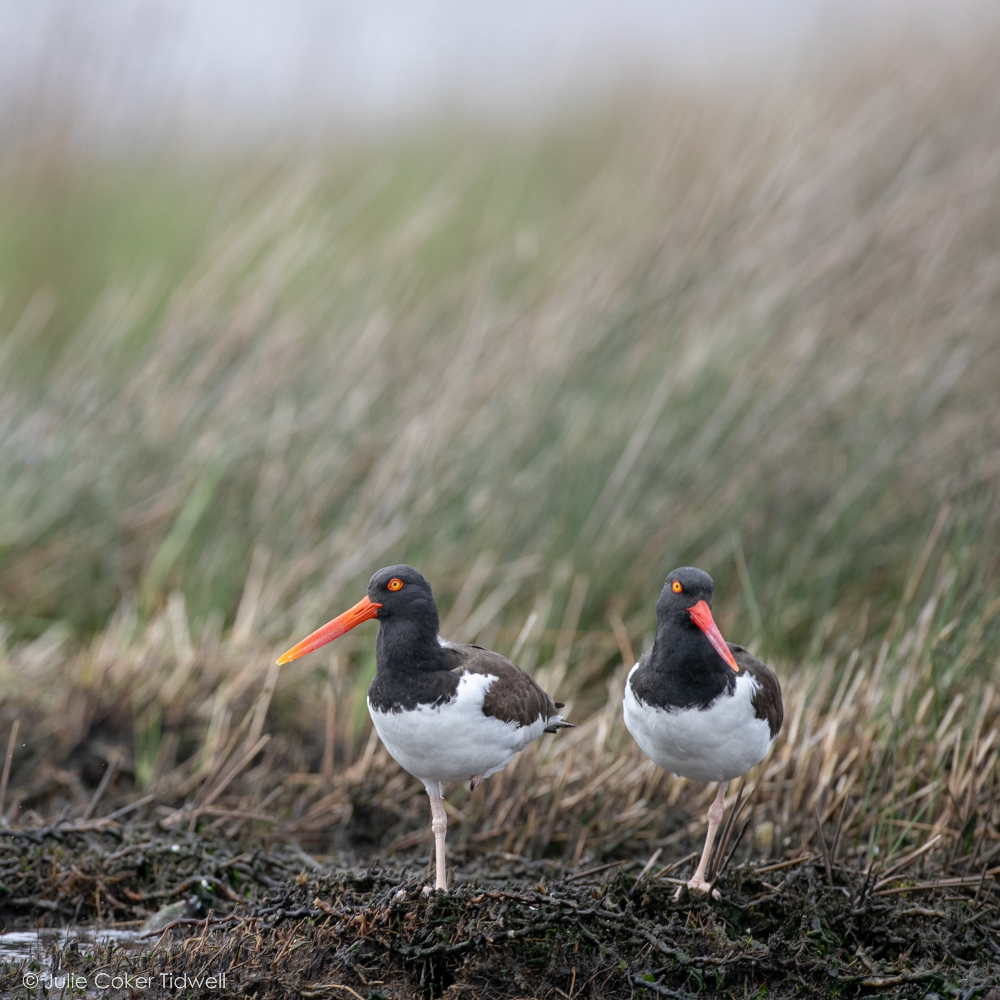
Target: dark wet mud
[{"x": 183, "y": 912}]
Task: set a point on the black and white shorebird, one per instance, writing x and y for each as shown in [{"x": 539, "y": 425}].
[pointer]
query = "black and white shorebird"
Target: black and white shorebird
[
  {"x": 698, "y": 706},
  {"x": 444, "y": 711}
]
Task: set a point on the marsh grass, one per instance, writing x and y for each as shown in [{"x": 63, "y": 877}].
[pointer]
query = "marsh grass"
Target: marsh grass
[{"x": 754, "y": 332}]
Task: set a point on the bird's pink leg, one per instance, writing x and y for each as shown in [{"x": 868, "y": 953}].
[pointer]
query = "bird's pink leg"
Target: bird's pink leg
[
  {"x": 439, "y": 826},
  {"x": 714, "y": 821}
]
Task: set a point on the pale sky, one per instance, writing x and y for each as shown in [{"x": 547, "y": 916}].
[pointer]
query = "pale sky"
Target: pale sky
[{"x": 246, "y": 64}]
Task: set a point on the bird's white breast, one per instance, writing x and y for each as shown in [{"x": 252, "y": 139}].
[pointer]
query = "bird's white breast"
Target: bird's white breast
[
  {"x": 717, "y": 743},
  {"x": 454, "y": 741}
]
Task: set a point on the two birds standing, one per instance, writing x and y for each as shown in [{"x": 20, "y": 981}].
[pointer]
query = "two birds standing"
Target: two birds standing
[{"x": 698, "y": 706}]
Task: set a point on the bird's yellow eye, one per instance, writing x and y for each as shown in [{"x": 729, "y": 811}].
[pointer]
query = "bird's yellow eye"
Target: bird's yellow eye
[
  {"x": 676, "y": 586},
  {"x": 395, "y": 583}
]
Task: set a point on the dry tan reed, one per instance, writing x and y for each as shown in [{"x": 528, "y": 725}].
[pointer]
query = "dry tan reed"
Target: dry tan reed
[{"x": 854, "y": 753}]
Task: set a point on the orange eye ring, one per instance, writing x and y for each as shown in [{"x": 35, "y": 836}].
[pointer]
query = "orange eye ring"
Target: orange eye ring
[
  {"x": 395, "y": 584},
  {"x": 676, "y": 586}
]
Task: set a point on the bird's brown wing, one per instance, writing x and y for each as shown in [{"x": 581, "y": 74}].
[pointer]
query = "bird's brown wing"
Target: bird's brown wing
[
  {"x": 514, "y": 696},
  {"x": 766, "y": 699}
]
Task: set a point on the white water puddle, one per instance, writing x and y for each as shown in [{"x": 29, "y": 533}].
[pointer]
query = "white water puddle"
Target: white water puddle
[
  {"x": 18, "y": 946},
  {"x": 26, "y": 964}
]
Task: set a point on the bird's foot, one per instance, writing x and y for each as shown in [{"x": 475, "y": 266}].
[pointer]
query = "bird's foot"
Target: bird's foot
[
  {"x": 477, "y": 780},
  {"x": 697, "y": 885},
  {"x": 426, "y": 891}
]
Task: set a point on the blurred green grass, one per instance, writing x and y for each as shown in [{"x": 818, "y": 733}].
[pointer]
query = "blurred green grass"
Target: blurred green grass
[{"x": 754, "y": 332}]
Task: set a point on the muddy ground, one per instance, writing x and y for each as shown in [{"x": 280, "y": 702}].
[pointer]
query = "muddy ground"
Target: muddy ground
[{"x": 279, "y": 923}]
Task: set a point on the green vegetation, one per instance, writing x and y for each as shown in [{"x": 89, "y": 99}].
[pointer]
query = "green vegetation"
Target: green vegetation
[{"x": 754, "y": 335}]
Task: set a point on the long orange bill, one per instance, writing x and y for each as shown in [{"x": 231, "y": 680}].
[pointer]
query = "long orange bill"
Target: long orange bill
[
  {"x": 701, "y": 615},
  {"x": 361, "y": 612}
]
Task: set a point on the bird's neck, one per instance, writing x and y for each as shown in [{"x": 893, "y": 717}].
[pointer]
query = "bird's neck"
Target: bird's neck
[
  {"x": 406, "y": 645},
  {"x": 683, "y": 660}
]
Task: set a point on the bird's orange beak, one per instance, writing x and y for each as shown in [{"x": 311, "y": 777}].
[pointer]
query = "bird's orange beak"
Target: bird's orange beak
[
  {"x": 361, "y": 612},
  {"x": 701, "y": 615}
]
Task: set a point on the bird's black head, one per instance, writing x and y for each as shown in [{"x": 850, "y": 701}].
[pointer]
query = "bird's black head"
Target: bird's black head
[
  {"x": 689, "y": 664},
  {"x": 683, "y": 589},
  {"x": 397, "y": 595},
  {"x": 684, "y": 608},
  {"x": 402, "y": 592}
]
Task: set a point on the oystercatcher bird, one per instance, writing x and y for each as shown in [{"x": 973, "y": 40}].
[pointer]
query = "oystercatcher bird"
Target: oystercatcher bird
[
  {"x": 445, "y": 711},
  {"x": 697, "y": 705}
]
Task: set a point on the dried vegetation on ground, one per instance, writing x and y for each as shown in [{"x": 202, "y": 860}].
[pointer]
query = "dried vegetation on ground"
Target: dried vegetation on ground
[{"x": 280, "y": 924}]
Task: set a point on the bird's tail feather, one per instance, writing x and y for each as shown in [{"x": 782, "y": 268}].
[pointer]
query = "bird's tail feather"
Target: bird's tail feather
[{"x": 556, "y": 723}]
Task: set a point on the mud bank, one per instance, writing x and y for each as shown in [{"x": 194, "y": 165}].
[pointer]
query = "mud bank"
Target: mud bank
[{"x": 278, "y": 923}]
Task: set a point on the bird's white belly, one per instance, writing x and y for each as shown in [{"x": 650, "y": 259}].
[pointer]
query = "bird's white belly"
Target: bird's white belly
[
  {"x": 718, "y": 743},
  {"x": 455, "y": 741}
]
